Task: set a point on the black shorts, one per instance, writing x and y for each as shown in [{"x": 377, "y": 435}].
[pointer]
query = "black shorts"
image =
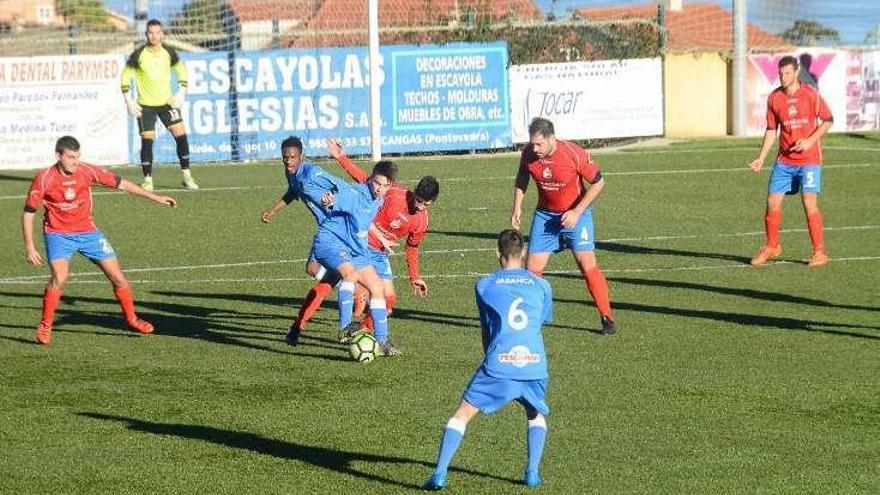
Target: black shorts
[{"x": 169, "y": 116}]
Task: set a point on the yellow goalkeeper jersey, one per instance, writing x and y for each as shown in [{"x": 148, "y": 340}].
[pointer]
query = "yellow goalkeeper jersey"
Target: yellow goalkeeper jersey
[{"x": 151, "y": 68}]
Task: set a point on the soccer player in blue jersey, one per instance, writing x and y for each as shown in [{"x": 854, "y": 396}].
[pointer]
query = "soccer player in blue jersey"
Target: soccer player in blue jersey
[
  {"x": 340, "y": 245},
  {"x": 513, "y": 304}
]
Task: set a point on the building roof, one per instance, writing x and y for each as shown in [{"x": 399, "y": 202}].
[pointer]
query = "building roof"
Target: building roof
[
  {"x": 334, "y": 16},
  {"x": 697, "y": 27},
  {"x": 264, "y": 10}
]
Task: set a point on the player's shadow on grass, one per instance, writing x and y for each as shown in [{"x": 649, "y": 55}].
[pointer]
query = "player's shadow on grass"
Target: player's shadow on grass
[
  {"x": 617, "y": 247},
  {"x": 16, "y": 178},
  {"x": 294, "y": 303},
  {"x": 340, "y": 461},
  {"x": 750, "y": 320},
  {"x": 489, "y": 236},
  {"x": 179, "y": 320},
  {"x": 735, "y": 291}
]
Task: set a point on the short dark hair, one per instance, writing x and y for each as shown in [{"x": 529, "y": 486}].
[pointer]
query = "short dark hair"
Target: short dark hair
[
  {"x": 155, "y": 22},
  {"x": 66, "y": 143},
  {"x": 510, "y": 244},
  {"x": 788, "y": 60},
  {"x": 292, "y": 142},
  {"x": 427, "y": 189},
  {"x": 541, "y": 126},
  {"x": 386, "y": 168}
]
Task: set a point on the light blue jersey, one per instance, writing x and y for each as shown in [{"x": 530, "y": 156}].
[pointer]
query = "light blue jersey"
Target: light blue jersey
[
  {"x": 308, "y": 184},
  {"x": 350, "y": 217},
  {"x": 513, "y": 305}
]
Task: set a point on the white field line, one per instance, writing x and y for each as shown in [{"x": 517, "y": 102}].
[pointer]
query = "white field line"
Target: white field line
[
  {"x": 262, "y": 280},
  {"x": 280, "y": 187},
  {"x": 25, "y": 278}
]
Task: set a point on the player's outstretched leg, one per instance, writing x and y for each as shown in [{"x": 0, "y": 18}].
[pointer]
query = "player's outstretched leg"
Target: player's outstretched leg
[
  {"x": 536, "y": 435},
  {"x": 51, "y": 297},
  {"x": 772, "y": 249},
  {"x": 126, "y": 302},
  {"x": 346, "y": 300},
  {"x": 452, "y": 435}
]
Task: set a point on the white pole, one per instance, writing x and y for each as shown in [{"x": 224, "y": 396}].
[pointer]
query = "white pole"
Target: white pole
[
  {"x": 740, "y": 52},
  {"x": 375, "y": 120}
]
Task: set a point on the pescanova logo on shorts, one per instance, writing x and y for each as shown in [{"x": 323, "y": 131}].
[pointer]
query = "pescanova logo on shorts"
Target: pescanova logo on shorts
[{"x": 519, "y": 356}]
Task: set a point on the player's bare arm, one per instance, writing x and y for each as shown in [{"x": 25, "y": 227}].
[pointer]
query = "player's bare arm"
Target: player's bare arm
[
  {"x": 334, "y": 147},
  {"x": 804, "y": 144},
  {"x": 769, "y": 138},
  {"x": 519, "y": 192},
  {"x": 419, "y": 287},
  {"x": 387, "y": 244},
  {"x": 136, "y": 190},
  {"x": 27, "y": 228},
  {"x": 569, "y": 218},
  {"x": 270, "y": 212}
]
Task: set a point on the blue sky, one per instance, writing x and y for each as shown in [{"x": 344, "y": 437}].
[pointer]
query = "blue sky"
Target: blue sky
[{"x": 851, "y": 18}]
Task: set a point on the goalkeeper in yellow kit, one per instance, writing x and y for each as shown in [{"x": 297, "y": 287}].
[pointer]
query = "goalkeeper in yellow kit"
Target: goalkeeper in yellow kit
[{"x": 150, "y": 66}]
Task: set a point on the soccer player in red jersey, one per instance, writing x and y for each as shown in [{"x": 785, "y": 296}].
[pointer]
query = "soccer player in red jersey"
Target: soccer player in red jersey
[
  {"x": 802, "y": 117},
  {"x": 563, "y": 218},
  {"x": 403, "y": 215},
  {"x": 65, "y": 190}
]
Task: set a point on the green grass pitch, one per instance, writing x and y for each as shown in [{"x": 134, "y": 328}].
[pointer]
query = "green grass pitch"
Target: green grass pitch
[{"x": 723, "y": 379}]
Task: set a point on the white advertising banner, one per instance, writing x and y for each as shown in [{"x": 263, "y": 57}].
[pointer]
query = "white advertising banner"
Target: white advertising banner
[
  {"x": 824, "y": 69},
  {"x": 44, "y": 98},
  {"x": 589, "y": 100},
  {"x": 863, "y": 91}
]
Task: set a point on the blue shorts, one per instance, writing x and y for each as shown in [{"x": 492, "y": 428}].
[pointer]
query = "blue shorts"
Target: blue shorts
[
  {"x": 92, "y": 245},
  {"x": 330, "y": 252},
  {"x": 548, "y": 235},
  {"x": 789, "y": 179},
  {"x": 489, "y": 394},
  {"x": 382, "y": 263}
]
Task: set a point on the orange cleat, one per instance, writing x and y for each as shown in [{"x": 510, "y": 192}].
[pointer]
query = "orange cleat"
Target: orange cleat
[
  {"x": 766, "y": 254},
  {"x": 44, "y": 334},
  {"x": 140, "y": 326},
  {"x": 818, "y": 258}
]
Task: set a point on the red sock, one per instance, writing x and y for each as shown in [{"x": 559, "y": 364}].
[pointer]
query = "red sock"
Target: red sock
[
  {"x": 598, "y": 287},
  {"x": 814, "y": 224},
  {"x": 311, "y": 303},
  {"x": 126, "y": 301},
  {"x": 51, "y": 296},
  {"x": 772, "y": 222},
  {"x": 389, "y": 303},
  {"x": 361, "y": 296}
]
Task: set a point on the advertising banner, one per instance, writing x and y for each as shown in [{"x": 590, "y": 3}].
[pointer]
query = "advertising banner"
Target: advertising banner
[
  {"x": 863, "y": 91},
  {"x": 433, "y": 98},
  {"x": 824, "y": 69},
  {"x": 44, "y": 98},
  {"x": 588, "y": 100}
]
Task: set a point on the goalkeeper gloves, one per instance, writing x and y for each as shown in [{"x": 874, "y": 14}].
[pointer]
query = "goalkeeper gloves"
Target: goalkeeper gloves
[
  {"x": 177, "y": 99},
  {"x": 133, "y": 108}
]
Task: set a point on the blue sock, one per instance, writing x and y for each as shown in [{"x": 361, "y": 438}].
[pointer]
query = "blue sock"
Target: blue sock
[
  {"x": 452, "y": 436},
  {"x": 536, "y": 436},
  {"x": 380, "y": 319},
  {"x": 346, "y": 303}
]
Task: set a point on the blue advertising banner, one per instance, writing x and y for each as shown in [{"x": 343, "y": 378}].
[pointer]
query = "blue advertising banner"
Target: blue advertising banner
[{"x": 434, "y": 98}]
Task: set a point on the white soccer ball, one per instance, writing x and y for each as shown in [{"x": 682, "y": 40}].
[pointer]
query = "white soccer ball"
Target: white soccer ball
[{"x": 363, "y": 348}]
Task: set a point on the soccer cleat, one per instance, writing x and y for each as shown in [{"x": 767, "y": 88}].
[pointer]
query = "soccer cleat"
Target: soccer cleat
[
  {"x": 44, "y": 333},
  {"x": 608, "y": 326},
  {"x": 292, "y": 337},
  {"x": 766, "y": 254},
  {"x": 347, "y": 333},
  {"x": 189, "y": 183},
  {"x": 140, "y": 326},
  {"x": 532, "y": 478},
  {"x": 147, "y": 183},
  {"x": 435, "y": 483},
  {"x": 818, "y": 258},
  {"x": 387, "y": 349}
]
